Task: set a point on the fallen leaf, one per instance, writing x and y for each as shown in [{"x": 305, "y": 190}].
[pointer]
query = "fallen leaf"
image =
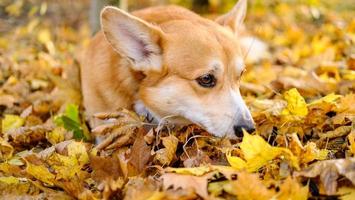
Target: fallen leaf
[
  {"x": 70, "y": 121},
  {"x": 166, "y": 155},
  {"x": 78, "y": 151},
  {"x": 236, "y": 162},
  {"x": 105, "y": 168},
  {"x": 57, "y": 135},
  {"x": 140, "y": 153},
  {"x": 329, "y": 171},
  {"x": 197, "y": 183},
  {"x": 296, "y": 105},
  {"x": 41, "y": 173},
  {"x": 257, "y": 152},
  {"x": 338, "y": 132},
  {"x": 351, "y": 138},
  {"x": 346, "y": 193},
  {"x": 291, "y": 189},
  {"x": 11, "y": 122},
  {"x": 330, "y": 98},
  {"x": 311, "y": 152},
  {"x": 306, "y": 153},
  {"x": 142, "y": 189},
  {"x": 28, "y": 135},
  {"x": 244, "y": 190},
  {"x": 6, "y": 150},
  {"x": 197, "y": 171}
]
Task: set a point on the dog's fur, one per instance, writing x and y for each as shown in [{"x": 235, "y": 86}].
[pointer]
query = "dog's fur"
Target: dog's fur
[{"x": 149, "y": 60}]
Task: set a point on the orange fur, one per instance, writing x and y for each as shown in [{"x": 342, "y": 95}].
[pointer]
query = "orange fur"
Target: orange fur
[{"x": 173, "y": 47}]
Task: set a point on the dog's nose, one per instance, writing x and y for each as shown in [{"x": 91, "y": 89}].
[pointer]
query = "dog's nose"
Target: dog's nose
[{"x": 238, "y": 130}]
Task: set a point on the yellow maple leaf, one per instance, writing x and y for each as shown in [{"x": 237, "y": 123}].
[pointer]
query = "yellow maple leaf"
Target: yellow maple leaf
[
  {"x": 41, "y": 173},
  {"x": 11, "y": 122},
  {"x": 296, "y": 105},
  {"x": 78, "y": 151},
  {"x": 66, "y": 167},
  {"x": 257, "y": 152},
  {"x": 197, "y": 171},
  {"x": 236, "y": 162},
  {"x": 291, "y": 189},
  {"x": 10, "y": 180},
  {"x": 348, "y": 75},
  {"x": 56, "y": 136},
  {"x": 330, "y": 98}
]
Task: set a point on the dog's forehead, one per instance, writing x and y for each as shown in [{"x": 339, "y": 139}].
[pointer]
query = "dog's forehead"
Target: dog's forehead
[{"x": 197, "y": 48}]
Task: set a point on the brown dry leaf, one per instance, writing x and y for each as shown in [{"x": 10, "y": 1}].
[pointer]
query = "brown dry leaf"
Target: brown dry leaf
[
  {"x": 28, "y": 135},
  {"x": 105, "y": 168},
  {"x": 338, "y": 132},
  {"x": 166, "y": 155},
  {"x": 117, "y": 130},
  {"x": 329, "y": 171},
  {"x": 142, "y": 189},
  {"x": 107, "y": 172},
  {"x": 199, "y": 159},
  {"x": 140, "y": 154},
  {"x": 186, "y": 182},
  {"x": 75, "y": 187}
]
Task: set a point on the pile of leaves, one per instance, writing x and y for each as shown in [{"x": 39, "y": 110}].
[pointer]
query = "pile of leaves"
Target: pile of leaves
[{"x": 302, "y": 100}]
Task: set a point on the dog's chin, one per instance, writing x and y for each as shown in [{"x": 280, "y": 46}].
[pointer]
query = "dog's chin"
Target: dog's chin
[
  {"x": 229, "y": 135},
  {"x": 180, "y": 121}
]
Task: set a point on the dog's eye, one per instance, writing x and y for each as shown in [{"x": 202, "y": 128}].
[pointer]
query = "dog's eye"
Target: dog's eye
[{"x": 207, "y": 80}]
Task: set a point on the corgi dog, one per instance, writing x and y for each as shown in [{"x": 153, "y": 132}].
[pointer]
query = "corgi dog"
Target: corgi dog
[{"x": 170, "y": 63}]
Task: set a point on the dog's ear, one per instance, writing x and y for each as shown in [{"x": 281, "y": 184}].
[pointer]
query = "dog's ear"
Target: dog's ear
[
  {"x": 234, "y": 18},
  {"x": 133, "y": 38}
]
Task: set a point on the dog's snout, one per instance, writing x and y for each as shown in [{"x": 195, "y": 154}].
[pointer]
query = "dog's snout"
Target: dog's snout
[{"x": 238, "y": 130}]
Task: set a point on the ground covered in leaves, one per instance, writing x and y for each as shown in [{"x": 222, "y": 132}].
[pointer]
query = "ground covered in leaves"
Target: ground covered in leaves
[{"x": 301, "y": 96}]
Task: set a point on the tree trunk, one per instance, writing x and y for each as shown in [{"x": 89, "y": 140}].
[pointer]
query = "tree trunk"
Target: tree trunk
[{"x": 95, "y": 9}]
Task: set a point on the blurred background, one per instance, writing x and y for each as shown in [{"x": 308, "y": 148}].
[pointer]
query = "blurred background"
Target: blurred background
[{"x": 14, "y": 12}]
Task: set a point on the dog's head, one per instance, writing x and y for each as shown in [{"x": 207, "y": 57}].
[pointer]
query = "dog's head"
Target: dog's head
[{"x": 192, "y": 67}]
